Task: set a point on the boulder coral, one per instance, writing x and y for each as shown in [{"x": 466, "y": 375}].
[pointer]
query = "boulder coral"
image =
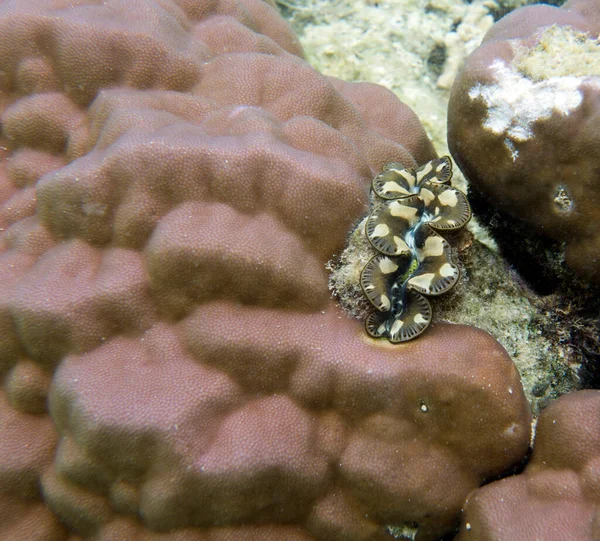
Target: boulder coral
[
  {"x": 523, "y": 124},
  {"x": 557, "y": 497},
  {"x": 174, "y": 179}
]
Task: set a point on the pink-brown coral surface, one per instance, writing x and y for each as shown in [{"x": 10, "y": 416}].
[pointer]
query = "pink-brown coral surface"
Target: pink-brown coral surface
[
  {"x": 557, "y": 497},
  {"x": 529, "y": 139},
  {"x": 174, "y": 179}
]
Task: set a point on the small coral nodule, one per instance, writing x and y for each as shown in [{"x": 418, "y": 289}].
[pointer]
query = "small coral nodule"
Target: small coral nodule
[{"x": 410, "y": 206}]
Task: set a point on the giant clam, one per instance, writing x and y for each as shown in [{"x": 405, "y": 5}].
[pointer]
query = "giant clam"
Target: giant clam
[{"x": 410, "y": 208}]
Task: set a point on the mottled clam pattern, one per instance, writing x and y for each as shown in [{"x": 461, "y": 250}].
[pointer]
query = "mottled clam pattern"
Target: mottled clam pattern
[{"x": 410, "y": 208}]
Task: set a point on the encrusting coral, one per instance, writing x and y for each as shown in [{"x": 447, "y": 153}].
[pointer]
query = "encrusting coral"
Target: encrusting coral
[
  {"x": 174, "y": 179},
  {"x": 409, "y": 209}
]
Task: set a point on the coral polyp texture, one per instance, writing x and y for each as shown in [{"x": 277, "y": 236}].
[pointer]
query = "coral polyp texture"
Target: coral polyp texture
[
  {"x": 174, "y": 179},
  {"x": 409, "y": 208},
  {"x": 558, "y": 495},
  {"x": 523, "y": 124}
]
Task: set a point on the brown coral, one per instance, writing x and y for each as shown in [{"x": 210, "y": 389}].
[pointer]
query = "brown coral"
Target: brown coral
[
  {"x": 523, "y": 124},
  {"x": 557, "y": 496},
  {"x": 173, "y": 183}
]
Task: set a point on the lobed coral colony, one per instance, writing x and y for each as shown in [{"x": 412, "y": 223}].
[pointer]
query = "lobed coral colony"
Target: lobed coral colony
[
  {"x": 410, "y": 207},
  {"x": 173, "y": 178}
]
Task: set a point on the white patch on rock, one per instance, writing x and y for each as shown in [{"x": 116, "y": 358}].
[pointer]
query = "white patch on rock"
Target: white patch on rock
[{"x": 515, "y": 102}]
